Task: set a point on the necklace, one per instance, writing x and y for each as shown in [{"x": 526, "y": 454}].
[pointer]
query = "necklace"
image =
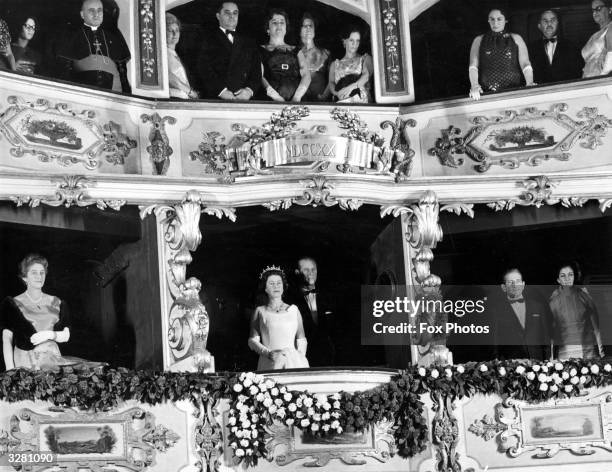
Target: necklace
[
  {"x": 35, "y": 302},
  {"x": 276, "y": 309}
]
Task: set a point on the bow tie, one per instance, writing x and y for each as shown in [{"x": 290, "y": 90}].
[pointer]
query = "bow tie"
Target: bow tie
[
  {"x": 308, "y": 292},
  {"x": 517, "y": 300},
  {"x": 549, "y": 40},
  {"x": 230, "y": 32}
]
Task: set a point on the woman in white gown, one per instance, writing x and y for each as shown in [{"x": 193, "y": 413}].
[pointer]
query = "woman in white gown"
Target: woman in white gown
[{"x": 277, "y": 332}]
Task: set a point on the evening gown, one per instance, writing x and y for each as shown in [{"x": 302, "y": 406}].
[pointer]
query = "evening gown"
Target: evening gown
[
  {"x": 23, "y": 318},
  {"x": 499, "y": 66},
  {"x": 348, "y": 71},
  {"x": 572, "y": 312},
  {"x": 318, "y": 65},
  {"x": 27, "y": 59},
  {"x": 278, "y": 331},
  {"x": 594, "y": 53},
  {"x": 177, "y": 76},
  {"x": 282, "y": 70}
]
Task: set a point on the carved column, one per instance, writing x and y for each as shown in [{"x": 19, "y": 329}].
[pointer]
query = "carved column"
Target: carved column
[
  {"x": 186, "y": 322},
  {"x": 423, "y": 233}
]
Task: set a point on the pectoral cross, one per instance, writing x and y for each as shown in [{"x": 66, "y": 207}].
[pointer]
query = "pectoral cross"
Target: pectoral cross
[{"x": 98, "y": 45}]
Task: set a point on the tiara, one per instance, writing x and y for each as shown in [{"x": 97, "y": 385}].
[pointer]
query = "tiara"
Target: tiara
[{"x": 269, "y": 269}]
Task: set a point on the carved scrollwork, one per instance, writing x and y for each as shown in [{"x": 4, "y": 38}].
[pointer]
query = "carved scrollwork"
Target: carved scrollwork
[
  {"x": 7, "y": 444},
  {"x": 276, "y": 205},
  {"x": 445, "y": 434},
  {"x": 117, "y": 145},
  {"x": 459, "y": 208},
  {"x": 538, "y": 192},
  {"x": 56, "y": 133},
  {"x": 529, "y": 137},
  {"x": 208, "y": 436},
  {"x": 317, "y": 192},
  {"x": 403, "y": 156},
  {"x": 216, "y": 157},
  {"x": 188, "y": 322},
  {"x": 129, "y": 439},
  {"x": 159, "y": 149},
  {"x": 71, "y": 191},
  {"x": 604, "y": 204}
]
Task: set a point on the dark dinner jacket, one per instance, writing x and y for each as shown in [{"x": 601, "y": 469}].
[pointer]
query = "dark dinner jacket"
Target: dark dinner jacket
[
  {"x": 223, "y": 64},
  {"x": 567, "y": 62},
  {"x": 321, "y": 350},
  {"x": 511, "y": 340}
]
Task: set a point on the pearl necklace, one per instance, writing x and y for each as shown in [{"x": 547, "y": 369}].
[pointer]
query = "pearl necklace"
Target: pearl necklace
[
  {"x": 277, "y": 309},
  {"x": 36, "y": 302}
]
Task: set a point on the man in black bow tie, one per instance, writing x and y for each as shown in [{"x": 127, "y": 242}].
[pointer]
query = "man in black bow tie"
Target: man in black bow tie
[
  {"x": 317, "y": 314},
  {"x": 520, "y": 322},
  {"x": 553, "y": 58},
  {"x": 229, "y": 65}
]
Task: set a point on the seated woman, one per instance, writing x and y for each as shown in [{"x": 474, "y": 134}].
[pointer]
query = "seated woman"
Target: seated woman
[
  {"x": 285, "y": 77},
  {"x": 498, "y": 59},
  {"x": 316, "y": 59},
  {"x": 177, "y": 75},
  {"x": 27, "y": 60},
  {"x": 277, "y": 332},
  {"x": 7, "y": 60},
  {"x": 574, "y": 316},
  {"x": 34, "y": 322},
  {"x": 597, "y": 52},
  {"x": 349, "y": 77}
]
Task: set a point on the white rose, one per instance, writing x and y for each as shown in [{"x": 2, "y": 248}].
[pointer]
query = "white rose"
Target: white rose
[
  {"x": 254, "y": 417},
  {"x": 289, "y": 421},
  {"x": 608, "y": 367},
  {"x": 569, "y": 388},
  {"x": 584, "y": 370},
  {"x": 448, "y": 373},
  {"x": 535, "y": 368},
  {"x": 253, "y": 390},
  {"x": 325, "y": 427},
  {"x": 307, "y": 402},
  {"x": 583, "y": 379},
  {"x": 574, "y": 380},
  {"x": 335, "y": 424},
  {"x": 260, "y": 397},
  {"x": 543, "y": 387},
  {"x": 248, "y": 382},
  {"x": 305, "y": 422},
  {"x": 255, "y": 443},
  {"x": 254, "y": 433},
  {"x": 233, "y": 445},
  {"x": 299, "y": 414},
  {"x": 542, "y": 377},
  {"x": 239, "y": 452},
  {"x": 244, "y": 442},
  {"x": 530, "y": 375},
  {"x": 483, "y": 368},
  {"x": 460, "y": 369},
  {"x": 281, "y": 413},
  {"x": 239, "y": 433},
  {"x": 565, "y": 375},
  {"x": 249, "y": 452},
  {"x": 246, "y": 423},
  {"x": 544, "y": 368},
  {"x": 287, "y": 397},
  {"x": 292, "y": 407},
  {"x": 595, "y": 369},
  {"x": 314, "y": 427},
  {"x": 325, "y": 416},
  {"x": 232, "y": 420},
  {"x": 558, "y": 366},
  {"x": 520, "y": 370},
  {"x": 316, "y": 417},
  {"x": 339, "y": 429},
  {"x": 336, "y": 405},
  {"x": 502, "y": 371},
  {"x": 422, "y": 371},
  {"x": 246, "y": 434},
  {"x": 573, "y": 372},
  {"x": 435, "y": 374},
  {"x": 274, "y": 391},
  {"x": 278, "y": 402},
  {"x": 270, "y": 383},
  {"x": 268, "y": 402},
  {"x": 326, "y": 406},
  {"x": 336, "y": 396},
  {"x": 310, "y": 411},
  {"x": 273, "y": 409},
  {"x": 554, "y": 388}
]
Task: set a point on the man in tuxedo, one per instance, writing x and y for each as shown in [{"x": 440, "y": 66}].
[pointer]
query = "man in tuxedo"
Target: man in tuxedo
[
  {"x": 552, "y": 57},
  {"x": 94, "y": 55},
  {"x": 520, "y": 323},
  {"x": 316, "y": 312},
  {"x": 229, "y": 64}
]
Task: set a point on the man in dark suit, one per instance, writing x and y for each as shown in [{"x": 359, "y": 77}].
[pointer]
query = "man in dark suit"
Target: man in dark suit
[
  {"x": 552, "y": 57},
  {"x": 316, "y": 312},
  {"x": 520, "y": 323},
  {"x": 229, "y": 64}
]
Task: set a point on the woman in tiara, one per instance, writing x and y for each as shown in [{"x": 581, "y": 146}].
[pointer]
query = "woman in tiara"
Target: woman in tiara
[{"x": 277, "y": 332}]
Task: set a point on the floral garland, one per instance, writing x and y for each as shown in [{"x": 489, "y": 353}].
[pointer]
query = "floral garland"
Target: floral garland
[{"x": 258, "y": 402}]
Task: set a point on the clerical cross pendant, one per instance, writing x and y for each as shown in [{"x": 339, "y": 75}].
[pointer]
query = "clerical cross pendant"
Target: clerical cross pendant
[{"x": 98, "y": 46}]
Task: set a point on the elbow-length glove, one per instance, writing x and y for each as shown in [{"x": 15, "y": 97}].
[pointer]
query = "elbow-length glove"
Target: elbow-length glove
[
  {"x": 302, "y": 345},
  {"x": 256, "y": 346}
]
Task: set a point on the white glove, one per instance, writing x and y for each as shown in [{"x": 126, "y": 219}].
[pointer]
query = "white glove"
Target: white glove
[
  {"x": 273, "y": 94},
  {"x": 42, "y": 336},
  {"x": 255, "y": 345},
  {"x": 606, "y": 68},
  {"x": 302, "y": 345}
]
